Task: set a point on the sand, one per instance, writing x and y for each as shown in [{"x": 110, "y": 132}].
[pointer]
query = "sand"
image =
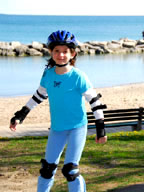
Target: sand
[{"x": 127, "y": 96}]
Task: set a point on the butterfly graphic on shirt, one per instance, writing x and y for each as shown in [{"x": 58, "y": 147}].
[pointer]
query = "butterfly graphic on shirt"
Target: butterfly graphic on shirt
[{"x": 57, "y": 83}]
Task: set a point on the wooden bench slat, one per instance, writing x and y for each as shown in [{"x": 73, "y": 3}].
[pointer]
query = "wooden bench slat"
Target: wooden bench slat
[
  {"x": 115, "y": 119},
  {"x": 119, "y": 117},
  {"x": 118, "y": 110}
]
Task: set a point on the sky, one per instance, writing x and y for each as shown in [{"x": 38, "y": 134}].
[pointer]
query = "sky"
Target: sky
[{"x": 72, "y": 7}]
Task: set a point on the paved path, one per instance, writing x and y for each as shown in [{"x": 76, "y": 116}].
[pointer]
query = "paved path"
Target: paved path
[
  {"x": 131, "y": 188},
  {"x": 24, "y": 130},
  {"x": 42, "y": 130}
]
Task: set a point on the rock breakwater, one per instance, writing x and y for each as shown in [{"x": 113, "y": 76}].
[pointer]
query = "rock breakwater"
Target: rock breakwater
[{"x": 124, "y": 45}]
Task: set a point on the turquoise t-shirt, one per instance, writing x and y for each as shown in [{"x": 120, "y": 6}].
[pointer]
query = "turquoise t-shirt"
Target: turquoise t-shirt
[{"x": 67, "y": 105}]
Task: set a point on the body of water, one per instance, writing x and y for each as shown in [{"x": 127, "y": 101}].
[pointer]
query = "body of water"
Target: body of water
[
  {"x": 21, "y": 76},
  {"x": 26, "y": 29}
]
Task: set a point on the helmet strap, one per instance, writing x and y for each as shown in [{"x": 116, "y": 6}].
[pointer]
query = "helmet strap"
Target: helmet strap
[{"x": 61, "y": 65}]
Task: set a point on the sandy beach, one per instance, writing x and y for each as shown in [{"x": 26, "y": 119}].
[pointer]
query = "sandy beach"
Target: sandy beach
[{"x": 126, "y": 96}]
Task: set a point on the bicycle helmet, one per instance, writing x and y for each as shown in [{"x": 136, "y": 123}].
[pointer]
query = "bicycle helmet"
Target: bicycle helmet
[{"x": 62, "y": 38}]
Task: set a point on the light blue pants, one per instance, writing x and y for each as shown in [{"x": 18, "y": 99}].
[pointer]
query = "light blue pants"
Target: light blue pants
[{"x": 75, "y": 140}]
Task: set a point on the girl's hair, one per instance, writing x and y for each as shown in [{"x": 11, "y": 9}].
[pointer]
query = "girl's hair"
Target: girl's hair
[{"x": 51, "y": 63}]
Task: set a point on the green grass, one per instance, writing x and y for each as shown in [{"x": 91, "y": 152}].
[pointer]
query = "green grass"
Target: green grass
[{"x": 105, "y": 167}]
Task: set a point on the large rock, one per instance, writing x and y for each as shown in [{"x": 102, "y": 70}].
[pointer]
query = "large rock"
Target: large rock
[
  {"x": 140, "y": 46},
  {"x": 91, "y": 48},
  {"x": 5, "y": 45},
  {"x": 129, "y": 44},
  {"x": 83, "y": 48},
  {"x": 99, "y": 50},
  {"x": 21, "y": 50},
  {"x": 101, "y": 44},
  {"x": 7, "y": 52},
  {"x": 33, "y": 52},
  {"x": 91, "y": 52},
  {"x": 114, "y": 46},
  {"x": 37, "y": 45},
  {"x": 15, "y": 44},
  {"x": 140, "y": 42},
  {"x": 45, "y": 52}
]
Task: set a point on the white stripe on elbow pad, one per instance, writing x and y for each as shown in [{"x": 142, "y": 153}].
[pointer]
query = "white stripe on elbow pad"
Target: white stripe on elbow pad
[
  {"x": 42, "y": 91},
  {"x": 31, "y": 103},
  {"x": 98, "y": 114},
  {"x": 89, "y": 95}
]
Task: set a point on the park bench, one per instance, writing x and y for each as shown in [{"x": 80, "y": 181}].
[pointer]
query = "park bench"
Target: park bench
[{"x": 120, "y": 117}]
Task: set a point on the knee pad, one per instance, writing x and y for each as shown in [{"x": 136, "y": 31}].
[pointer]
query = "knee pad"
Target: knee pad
[
  {"x": 47, "y": 169},
  {"x": 69, "y": 168}
]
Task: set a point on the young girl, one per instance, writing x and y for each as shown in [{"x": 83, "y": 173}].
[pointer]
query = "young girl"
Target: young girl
[{"x": 65, "y": 86}]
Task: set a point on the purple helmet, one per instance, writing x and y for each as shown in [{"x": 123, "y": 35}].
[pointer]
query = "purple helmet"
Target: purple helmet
[{"x": 62, "y": 38}]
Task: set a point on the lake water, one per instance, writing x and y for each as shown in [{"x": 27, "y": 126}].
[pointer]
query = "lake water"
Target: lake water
[
  {"x": 28, "y": 28},
  {"x": 21, "y": 76}
]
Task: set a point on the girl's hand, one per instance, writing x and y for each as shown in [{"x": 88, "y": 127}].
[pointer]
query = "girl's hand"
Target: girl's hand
[
  {"x": 13, "y": 125},
  {"x": 101, "y": 140},
  {"x": 19, "y": 117}
]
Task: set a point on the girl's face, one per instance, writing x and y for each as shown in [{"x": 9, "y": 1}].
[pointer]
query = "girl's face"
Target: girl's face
[{"x": 61, "y": 54}]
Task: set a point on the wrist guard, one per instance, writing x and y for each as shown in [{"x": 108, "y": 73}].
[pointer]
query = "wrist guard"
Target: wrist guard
[
  {"x": 100, "y": 130},
  {"x": 20, "y": 115}
]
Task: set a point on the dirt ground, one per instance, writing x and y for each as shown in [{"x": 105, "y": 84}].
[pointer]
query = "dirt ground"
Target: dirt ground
[
  {"x": 22, "y": 181},
  {"x": 17, "y": 181}
]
